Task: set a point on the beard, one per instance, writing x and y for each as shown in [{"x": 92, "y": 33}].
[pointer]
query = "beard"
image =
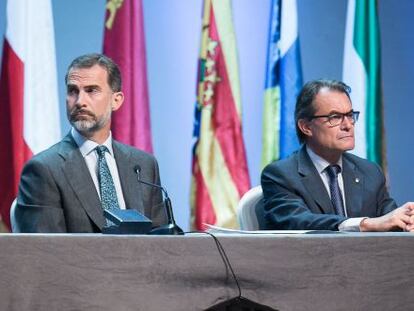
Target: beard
[{"x": 89, "y": 122}]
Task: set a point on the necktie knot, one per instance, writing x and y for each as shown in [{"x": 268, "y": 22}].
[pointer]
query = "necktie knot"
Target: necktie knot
[
  {"x": 333, "y": 170},
  {"x": 101, "y": 150}
]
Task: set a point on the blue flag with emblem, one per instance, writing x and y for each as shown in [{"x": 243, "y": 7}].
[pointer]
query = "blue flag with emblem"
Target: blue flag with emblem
[{"x": 283, "y": 82}]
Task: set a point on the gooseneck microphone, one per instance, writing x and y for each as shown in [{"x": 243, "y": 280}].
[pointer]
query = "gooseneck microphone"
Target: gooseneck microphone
[{"x": 171, "y": 228}]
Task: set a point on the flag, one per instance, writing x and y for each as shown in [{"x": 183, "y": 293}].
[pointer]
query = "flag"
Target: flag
[
  {"x": 29, "y": 102},
  {"x": 283, "y": 82},
  {"x": 362, "y": 72},
  {"x": 124, "y": 42},
  {"x": 220, "y": 174}
]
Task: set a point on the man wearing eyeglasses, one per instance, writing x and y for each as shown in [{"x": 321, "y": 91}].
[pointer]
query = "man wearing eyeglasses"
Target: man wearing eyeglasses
[{"x": 321, "y": 186}]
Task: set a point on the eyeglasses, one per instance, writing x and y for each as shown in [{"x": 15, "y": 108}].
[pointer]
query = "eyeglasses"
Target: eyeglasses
[{"x": 335, "y": 119}]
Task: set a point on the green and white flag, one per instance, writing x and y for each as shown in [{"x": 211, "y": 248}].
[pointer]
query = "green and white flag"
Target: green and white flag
[{"x": 362, "y": 72}]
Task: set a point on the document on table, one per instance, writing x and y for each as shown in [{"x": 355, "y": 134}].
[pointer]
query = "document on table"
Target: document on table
[{"x": 216, "y": 229}]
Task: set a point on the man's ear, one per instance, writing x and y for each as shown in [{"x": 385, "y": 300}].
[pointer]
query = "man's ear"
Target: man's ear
[
  {"x": 117, "y": 100},
  {"x": 304, "y": 126}
]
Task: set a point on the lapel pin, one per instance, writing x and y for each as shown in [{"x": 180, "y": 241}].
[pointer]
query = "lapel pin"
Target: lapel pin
[{"x": 357, "y": 180}]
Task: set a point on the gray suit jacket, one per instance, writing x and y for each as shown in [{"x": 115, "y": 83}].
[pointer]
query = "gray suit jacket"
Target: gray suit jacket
[
  {"x": 57, "y": 194},
  {"x": 295, "y": 197}
]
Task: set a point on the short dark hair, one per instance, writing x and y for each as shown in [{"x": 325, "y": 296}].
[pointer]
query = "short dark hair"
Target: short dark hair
[
  {"x": 304, "y": 104},
  {"x": 90, "y": 60}
]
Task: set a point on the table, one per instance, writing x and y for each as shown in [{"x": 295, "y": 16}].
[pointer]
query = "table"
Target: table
[{"x": 350, "y": 271}]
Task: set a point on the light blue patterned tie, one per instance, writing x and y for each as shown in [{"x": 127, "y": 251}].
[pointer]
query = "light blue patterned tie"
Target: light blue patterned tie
[
  {"x": 336, "y": 197},
  {"x": 109, "y": 199}
]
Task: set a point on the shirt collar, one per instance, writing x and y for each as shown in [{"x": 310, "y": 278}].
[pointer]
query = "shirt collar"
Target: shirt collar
[
  {"x": 320, "y": 163},
  {"x": 86, "y": 146}
]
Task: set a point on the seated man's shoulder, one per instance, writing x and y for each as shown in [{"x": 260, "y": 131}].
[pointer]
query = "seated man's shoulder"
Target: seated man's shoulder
[
  {"x": 48, "y": 156},
  {"x": 134, "y": 152},
  {"x": 283, "y": 165},
  {"x": 362, "y": 164}
]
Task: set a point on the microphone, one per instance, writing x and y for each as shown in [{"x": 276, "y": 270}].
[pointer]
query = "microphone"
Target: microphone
[{"x": 171, "y": 228}]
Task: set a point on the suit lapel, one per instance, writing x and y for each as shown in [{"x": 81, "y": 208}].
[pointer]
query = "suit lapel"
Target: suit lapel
[
  {"x": 353, "y": 186},
  {"x": 80, "y": 180},
  {"x": 313, "y": 182},
  {"x": 131, "y": 189}
]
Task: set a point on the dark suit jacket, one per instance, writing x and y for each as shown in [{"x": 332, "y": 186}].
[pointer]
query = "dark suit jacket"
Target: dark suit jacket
[
  {"x": 57, "y": 193},
  {"x": 295, "y": 197}
]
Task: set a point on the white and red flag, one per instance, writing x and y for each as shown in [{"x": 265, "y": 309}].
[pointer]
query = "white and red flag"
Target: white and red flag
[{"x": 29, "y": 122}]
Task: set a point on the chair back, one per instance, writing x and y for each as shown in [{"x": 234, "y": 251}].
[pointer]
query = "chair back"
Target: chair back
[
  {"x": 14, "y": 225},
  {"x": 246, "y": 209}
]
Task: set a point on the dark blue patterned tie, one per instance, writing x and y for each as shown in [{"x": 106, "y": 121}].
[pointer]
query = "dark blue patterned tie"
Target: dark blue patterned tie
[
  {"x": 336, "y": 197},
  {"x": 109, "y": 199}
]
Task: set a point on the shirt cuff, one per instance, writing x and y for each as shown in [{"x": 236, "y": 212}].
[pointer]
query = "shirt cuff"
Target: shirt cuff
[{"x": 351, "y": 224}]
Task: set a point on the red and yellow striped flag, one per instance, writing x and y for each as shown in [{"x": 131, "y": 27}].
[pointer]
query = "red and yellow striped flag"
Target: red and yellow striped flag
[{"x": 220, "y": 174}]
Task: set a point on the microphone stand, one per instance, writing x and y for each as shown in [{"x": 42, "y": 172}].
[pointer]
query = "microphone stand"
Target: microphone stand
[{"x": 171, "y": 228}]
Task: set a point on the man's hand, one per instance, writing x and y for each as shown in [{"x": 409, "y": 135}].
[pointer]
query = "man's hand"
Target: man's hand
[
  {"x": 400, "y": 218},
  {"x": 410, "y": 226}
]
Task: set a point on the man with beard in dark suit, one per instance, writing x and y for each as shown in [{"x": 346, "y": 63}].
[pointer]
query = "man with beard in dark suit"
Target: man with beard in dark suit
[{"x": 66, "y": 187}]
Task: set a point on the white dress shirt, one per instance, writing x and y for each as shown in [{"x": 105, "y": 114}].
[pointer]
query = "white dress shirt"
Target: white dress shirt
[
  {"x": 89, "y": 153},
  {"x": 351, "y": 224}
]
